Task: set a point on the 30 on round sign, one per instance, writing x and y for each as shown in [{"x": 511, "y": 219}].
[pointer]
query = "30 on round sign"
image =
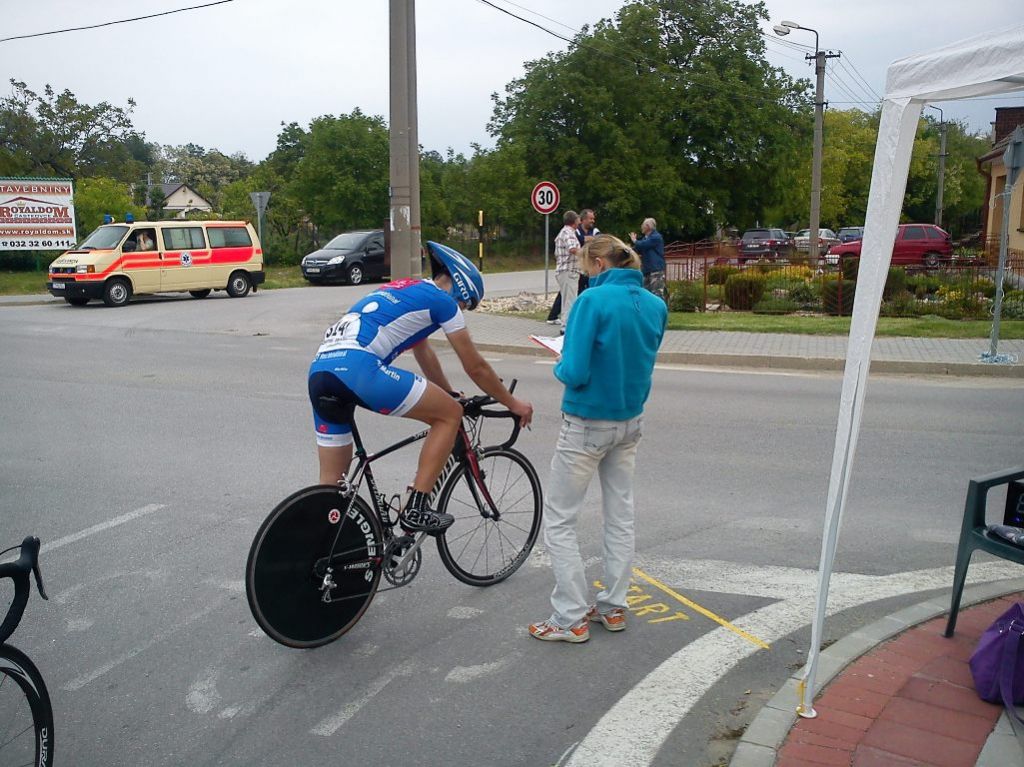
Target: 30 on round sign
[{"x": 545, "y": 197}]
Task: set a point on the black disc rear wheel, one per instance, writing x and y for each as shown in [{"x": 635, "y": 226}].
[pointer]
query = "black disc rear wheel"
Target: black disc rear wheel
[
  {"x": 284, "y": 576},
  {"x": 26, "y": 717},
  {"x": 478, "y": 548}
]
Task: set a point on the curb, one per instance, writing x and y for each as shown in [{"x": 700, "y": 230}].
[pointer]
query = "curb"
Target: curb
[
  {"x": 768, "y": 731},
  {"x": 764, "y": 361}
]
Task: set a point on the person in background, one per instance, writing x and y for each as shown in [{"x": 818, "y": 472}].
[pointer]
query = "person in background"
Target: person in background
[
  {"x": 567, "y": 270},
  {"x": 145, "y": 240},
  {"x": 584, "y": 231},
  {"x": 611, "y": 344},
  {"x": 651, "y": 247}
]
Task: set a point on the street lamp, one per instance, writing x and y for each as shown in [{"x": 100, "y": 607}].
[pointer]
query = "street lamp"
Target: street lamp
[
  {"x": 782, "y": 30},
  {"x": 942, "y": 165}
]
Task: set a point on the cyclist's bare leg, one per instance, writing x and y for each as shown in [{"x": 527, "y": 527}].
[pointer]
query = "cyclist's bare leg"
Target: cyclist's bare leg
[
  {"x": 443, "y": 414},
  {"x": 334, "y": 463}
]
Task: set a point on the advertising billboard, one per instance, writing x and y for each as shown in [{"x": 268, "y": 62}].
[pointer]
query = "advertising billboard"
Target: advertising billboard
[{"x": 36, "y": 214}]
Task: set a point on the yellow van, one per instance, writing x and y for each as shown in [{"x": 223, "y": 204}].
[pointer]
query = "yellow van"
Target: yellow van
[{"x": 120, "y": 260}]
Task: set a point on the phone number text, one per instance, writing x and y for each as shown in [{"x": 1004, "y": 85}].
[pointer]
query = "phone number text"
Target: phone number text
[{"x": 56, "y": 244}]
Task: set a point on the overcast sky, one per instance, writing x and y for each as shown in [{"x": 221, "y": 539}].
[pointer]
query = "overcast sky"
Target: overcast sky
[{"x": 225, "y": 77}]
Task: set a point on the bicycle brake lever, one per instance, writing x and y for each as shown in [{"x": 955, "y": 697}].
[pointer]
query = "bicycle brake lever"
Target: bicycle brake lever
[{"x": 39, "y": 581}]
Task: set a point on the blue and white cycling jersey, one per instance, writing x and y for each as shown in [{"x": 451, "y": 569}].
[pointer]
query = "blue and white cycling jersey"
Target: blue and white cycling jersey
[
  {"x": 394, "y": 318},
  {"x": 352, "y": 365}
]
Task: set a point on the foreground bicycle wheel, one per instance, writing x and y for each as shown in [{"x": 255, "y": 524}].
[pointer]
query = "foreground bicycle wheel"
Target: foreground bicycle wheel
[
  {"x": 288, "y": 560},
  {"x": 478, "y": 549},
  {"x": 26, "y": 718}
]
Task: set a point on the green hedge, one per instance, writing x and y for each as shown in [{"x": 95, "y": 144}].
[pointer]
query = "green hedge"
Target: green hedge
[
  {"x": 685, "y": 296},
  {"x": 837, "y": 296},
  {"x": 744, "y": 290},
  {"x": 717, "y": 275}
]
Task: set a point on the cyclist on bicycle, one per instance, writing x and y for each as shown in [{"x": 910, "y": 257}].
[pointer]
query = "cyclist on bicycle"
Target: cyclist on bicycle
[{"x": 353, "y": 365}]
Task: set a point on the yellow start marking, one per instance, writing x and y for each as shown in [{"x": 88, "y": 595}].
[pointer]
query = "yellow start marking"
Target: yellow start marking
[{"x": 703, "y": 611}]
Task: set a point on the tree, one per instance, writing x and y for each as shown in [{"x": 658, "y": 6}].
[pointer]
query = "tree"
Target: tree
[
  {"x": 208, "y": 172},
  {"x": 53, "y": 134},
  {"x": 342, "y": 179},
  {"x": 670, "y": 111},
  {"x": 96, "y": 197}
]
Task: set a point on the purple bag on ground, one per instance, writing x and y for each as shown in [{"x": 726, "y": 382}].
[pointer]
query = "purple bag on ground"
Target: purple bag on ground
[{"x": 997, "y": 665}]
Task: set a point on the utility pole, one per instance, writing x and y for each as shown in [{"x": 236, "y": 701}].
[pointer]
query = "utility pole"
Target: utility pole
[
  {"x": 942, "y": 166},
  {"x": 404, "y": 143},
  {"x": 819, "y": 108}
]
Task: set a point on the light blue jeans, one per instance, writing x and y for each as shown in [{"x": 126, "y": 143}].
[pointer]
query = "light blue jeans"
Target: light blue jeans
[{"x": 585, "y": 445}]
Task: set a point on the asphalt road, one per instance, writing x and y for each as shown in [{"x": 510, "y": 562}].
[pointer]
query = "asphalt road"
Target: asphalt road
[{"x": 145, "y": 445}]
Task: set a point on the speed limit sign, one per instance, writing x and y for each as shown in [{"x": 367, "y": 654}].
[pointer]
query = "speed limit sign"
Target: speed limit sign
[{"x": 545, "y": 197}]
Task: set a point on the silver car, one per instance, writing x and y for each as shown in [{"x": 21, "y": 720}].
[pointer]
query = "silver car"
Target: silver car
[{"x": 826, "y": 239}]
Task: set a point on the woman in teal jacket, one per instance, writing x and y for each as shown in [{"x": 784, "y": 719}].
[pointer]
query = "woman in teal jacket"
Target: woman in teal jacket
[{"x": 611, "y": 343}]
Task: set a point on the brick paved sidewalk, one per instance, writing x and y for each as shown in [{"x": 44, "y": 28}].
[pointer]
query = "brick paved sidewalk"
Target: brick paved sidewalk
[{"x": 908, "y": 702}]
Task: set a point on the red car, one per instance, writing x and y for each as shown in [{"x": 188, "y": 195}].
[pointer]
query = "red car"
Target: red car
[{"x": 915, "y": 245}]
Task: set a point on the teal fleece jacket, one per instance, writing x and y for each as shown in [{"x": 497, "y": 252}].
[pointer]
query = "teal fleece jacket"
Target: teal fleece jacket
[{"x": 611, "y": 342}]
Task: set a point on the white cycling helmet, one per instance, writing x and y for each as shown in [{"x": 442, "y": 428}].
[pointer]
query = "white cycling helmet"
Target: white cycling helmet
[{"x": 467, "y": 282}]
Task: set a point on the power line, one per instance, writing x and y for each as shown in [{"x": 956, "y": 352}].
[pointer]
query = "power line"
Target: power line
[
  {"x": 635, "y": 61},
  {"x": 111, "y": 23},
  {"x": 846, "y": 62}
]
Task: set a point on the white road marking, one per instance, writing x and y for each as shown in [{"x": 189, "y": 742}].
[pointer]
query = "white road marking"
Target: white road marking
[
  {"x": 634, "y": 729},
  {"x": 78, "y": 624},
  {"x": 331, "y": 724},
  {"x": 80, "y": 682},
  {"x": 463, "y": 674},
  {"x": 102, "y": 526}
]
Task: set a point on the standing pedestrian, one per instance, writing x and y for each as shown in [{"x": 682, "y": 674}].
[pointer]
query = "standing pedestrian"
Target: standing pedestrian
[
  {"x": 585, "y": 230},
  {"x": 611, "y": 344},
  {"x": 651, "y": 247},
  {"x": 567, "y": 270}
]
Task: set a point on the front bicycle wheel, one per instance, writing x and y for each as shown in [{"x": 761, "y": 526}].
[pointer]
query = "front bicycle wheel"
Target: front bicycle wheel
[
  {"x": 309, "y": 532},
  {"x": 26, "y": 718},
  {"x": 482, "y": 548}
]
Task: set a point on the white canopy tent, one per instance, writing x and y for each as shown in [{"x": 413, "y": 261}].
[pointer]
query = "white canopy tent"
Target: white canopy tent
[{"x": 985, "y": 65}]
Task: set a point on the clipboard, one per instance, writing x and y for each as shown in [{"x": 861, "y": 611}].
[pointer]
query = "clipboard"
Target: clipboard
[{"x": 552, "y": 344}]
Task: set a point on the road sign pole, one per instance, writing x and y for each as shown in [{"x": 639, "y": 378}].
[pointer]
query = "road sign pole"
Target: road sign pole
[
  {"x": 544, "y": 199},
  {"x": 547, "y": 244}
]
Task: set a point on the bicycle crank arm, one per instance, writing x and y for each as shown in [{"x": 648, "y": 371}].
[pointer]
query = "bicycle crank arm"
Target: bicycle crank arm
[{"x": 404, "y": 561}]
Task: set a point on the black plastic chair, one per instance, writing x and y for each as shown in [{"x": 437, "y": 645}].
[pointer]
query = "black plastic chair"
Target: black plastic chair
[{"x": 974, "y": 533}]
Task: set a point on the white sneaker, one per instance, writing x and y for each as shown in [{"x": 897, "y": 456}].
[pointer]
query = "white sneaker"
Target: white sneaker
[{"x": 553, "y": 322}]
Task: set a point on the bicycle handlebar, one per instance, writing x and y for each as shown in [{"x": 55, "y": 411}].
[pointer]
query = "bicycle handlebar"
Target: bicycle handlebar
[
  {"x": 18, "y": 571},
  {"x": 473, "y": 407}
]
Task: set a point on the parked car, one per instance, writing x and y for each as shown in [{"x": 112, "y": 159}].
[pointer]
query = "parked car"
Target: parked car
[
  {"x": 850, "y": 233},
  {"x": 352, "y": 257},
  {"x": 915, "y": 245},
  {"x": 826, "y": 238},
  {"x": 764, "y": 243}
]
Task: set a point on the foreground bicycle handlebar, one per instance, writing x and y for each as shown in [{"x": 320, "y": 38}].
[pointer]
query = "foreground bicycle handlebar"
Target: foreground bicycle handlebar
[
  {"x": 25, "y": 709},
  {"x": 18, "y": 571}
]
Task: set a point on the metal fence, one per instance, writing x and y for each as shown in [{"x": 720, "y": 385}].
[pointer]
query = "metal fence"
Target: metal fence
[{"x": 962, "y": 286}]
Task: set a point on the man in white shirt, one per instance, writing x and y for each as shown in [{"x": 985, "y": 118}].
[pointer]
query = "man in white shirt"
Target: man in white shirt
[{"x": 567, "y": 268}]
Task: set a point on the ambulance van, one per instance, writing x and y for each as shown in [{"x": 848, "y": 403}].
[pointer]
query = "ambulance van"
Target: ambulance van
[{"x": 120, "y": 260}]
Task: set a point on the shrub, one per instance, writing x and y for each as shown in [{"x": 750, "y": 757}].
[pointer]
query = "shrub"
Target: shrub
[
  {"x": 923, "y": 284},
  {"x": 837, "y": 296},
  {"x": 850, "y": 268},
  {"x": 1013, "y": 305},
  {"x": 985, "y": 286},
  {"x": 775, "y": 305},
  {"x": 717, "y": 275},
  {"x": 744, "y": 290},
  {"x": 902, "y": 304},
  {"x": 685, "y": 296},
  {"x": 804, "y": 294},
  {"x": 895, "y": 283},
  {"x": 782, "y": 280},
  {"x": 767, "y": 267}
]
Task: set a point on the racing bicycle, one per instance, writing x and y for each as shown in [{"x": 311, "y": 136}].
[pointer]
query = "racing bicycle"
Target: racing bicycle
[
  {"x": 319, "y": 557},
  {"x": 26, "y": 717}
]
